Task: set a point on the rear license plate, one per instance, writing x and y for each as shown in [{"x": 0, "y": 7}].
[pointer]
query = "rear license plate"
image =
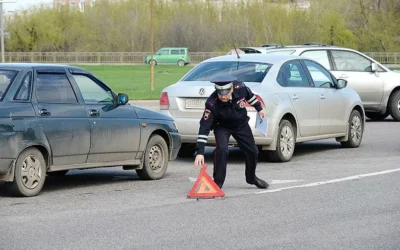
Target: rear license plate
[{"x": 195, "y": 103}]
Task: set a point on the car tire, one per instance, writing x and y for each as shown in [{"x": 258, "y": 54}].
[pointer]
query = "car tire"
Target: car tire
[
  {"x": 355, "y": 130},
  {"x": 58, "y": 173},
  {"x": 154, "y": 62},
  {"x": 155, "y": 160},
  {"x": 29, "y": 173},
  {"x": 375, "y": 116},
  {"x": 394, "y": 105},
  {"x": 187, "y": 150},
  {"x": 181, "y": 63},
  {"x": 285, "y": 143}
]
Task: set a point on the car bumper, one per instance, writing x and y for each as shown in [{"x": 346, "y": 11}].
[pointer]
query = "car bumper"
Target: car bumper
[
  {"x": 189, "y": 128},
  {"x": 175, "y": 145}
]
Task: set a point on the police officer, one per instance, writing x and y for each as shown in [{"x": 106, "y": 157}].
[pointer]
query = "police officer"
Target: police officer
[{"x": 226, "y": 114}]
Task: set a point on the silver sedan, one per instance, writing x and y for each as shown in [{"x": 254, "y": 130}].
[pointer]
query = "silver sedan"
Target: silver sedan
[{"x": 302, "y": 99}]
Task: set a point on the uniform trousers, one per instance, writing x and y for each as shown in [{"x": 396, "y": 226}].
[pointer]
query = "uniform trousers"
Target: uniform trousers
[{"x": 244, "y": 137}]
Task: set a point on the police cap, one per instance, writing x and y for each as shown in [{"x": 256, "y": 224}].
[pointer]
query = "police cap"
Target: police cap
[{"x": 223, "y": 84}]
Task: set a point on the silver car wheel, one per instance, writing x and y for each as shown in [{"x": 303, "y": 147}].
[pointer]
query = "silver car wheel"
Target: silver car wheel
[
  {"x": 286, "y": 141},
  {"x": 356, "y": 128},
  {"x": 398, "y": 105},
  {"x": 156, "y": 158},
  {"x": 31, "y": 172}
]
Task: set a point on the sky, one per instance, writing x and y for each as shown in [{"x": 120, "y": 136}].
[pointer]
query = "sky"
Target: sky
[{"x": 22, "y": 4}]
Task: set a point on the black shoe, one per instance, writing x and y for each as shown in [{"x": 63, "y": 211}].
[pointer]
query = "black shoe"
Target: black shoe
[{"x": 259, "y": 183}]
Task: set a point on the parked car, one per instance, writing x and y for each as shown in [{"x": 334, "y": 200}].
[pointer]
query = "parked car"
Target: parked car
[
  {"x": 302, "y": 99},
  {"x": 377, "y": 85},
  {"x": 179, "y": 56},
  {"x": 55, "y": 118}
]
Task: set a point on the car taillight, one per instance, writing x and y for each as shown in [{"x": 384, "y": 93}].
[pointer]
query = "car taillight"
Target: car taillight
[
  {"x": 250, "y": 108},
  {"x": 164, "y": 102}
]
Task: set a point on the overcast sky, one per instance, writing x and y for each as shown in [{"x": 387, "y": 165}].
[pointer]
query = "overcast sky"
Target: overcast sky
[{"x": 22, "y": 4}]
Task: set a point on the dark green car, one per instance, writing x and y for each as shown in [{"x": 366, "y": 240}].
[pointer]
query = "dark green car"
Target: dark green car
[{"x": 56, "y": 118}]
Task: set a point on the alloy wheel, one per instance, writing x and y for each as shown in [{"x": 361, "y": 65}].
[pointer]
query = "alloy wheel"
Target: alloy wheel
[{"x": 286, "y": 141}]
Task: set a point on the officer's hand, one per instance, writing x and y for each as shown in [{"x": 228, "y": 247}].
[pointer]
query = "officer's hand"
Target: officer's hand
[
  {"x": 262, "y": 114},
  {"x": 199, "y": 161}
]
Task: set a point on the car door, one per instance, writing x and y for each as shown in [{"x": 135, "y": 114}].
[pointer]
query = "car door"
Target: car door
[
  {"x": 175, "y": 56},
  {"x": 356, "y": 69},
  {"x": 303, "y": 96},
  {"x": 62, "y": 117},
  {"x": 163, "y": 56},
  {"x": 332, "y": 102},
  {"x": 115, "y": 129}
]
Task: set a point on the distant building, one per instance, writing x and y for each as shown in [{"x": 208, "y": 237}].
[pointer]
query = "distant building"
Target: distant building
[{"x": 79, "y": 4}]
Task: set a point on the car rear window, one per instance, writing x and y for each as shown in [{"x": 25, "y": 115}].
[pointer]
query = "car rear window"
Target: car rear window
[
  {"x": 6, "y": 78},
  {"x": 243, "y": 71}
]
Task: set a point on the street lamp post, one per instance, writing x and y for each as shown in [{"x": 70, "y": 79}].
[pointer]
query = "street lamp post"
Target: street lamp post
[{"x": 2, "y": 26}]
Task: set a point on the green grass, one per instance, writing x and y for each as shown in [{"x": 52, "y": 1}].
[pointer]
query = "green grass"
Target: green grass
[{"x": 135, "y": 80}]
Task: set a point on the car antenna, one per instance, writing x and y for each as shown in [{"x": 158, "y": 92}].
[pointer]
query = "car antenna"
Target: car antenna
[{"x": 236, "y": 51}]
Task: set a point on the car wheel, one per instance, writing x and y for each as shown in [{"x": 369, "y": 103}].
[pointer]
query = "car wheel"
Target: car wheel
[
  {"x": 187, "y": 150},
  {"x": 376, "y": 116},
  {"x": 394, "y": 105},
  {"x": 181, "y": 63},
  {"x": 57, "y": 173},
  {"x": 153, "y": 62},
  {"x": 29, "y": 174},
  {"x": 355, "y": 130},
  {"x": 155, "y": 161},
  {"x": 285, "y": 143}
]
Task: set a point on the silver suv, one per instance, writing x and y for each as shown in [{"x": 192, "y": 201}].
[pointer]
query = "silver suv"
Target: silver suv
[{"x": 377, "y": 85}]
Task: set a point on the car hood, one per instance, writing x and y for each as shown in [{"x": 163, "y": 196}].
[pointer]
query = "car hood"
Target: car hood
[{"x": 144, "y": 113}]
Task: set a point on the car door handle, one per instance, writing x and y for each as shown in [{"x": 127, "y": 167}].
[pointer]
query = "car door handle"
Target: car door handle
[
  {"x": 44, "y": 112},
  {"x": 94, "y": 112},
  {"x": 322, "y": 97},
  {"x": 294, "y": 97},
  {"x": 343, "y": 76}
]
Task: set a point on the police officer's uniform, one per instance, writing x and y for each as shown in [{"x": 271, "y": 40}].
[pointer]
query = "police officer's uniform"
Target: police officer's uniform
[{"x": 226, "y": 119}]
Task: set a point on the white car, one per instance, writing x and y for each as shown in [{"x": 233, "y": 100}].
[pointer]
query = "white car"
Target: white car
[
  {"x": 302, "y": 99},
  {"x": 377, "y": 85}
]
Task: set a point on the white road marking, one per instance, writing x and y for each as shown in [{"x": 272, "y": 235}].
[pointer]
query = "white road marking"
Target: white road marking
[
  {"x": 192, "y": 179},
  {"x": 282, "y": 181},
  {"x": 313, "y": 184},
  {"x": 270, "y": 182}
]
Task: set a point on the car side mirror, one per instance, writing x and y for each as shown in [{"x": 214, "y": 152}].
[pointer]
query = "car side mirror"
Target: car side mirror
[
  {"x": 341, "y": 83},
  {"x": 374, "y": 67},
  {"x": 122, "y": 99}
]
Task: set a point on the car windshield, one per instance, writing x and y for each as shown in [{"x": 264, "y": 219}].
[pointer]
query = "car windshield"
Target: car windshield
[
  {"x": 243, "y": 71},
  {"x": 6, "y": 78}
]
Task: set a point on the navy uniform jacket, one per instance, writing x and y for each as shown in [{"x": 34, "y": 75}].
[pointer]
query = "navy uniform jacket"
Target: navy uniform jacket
[{"x": 232, "y": 115}]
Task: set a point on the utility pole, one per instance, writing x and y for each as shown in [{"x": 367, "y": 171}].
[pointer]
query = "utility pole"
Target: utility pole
[
  {"x": 151, "y": 46},
  {"x": 2, "y": 26}
]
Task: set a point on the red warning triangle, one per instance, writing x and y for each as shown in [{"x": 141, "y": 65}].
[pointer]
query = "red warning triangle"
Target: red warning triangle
[{"x": 205, "y": 187}]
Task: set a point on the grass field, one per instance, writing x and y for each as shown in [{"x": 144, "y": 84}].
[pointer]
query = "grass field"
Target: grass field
[{"x": 135, "y": 80}]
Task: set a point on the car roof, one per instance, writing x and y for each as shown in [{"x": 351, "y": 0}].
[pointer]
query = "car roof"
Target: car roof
[
  {"x": 265, "y": 58},
  {"x": 38, "y": 65}
]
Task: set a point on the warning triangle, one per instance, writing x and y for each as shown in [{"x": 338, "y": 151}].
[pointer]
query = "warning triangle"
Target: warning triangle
[{"x": 205, "y": 187}]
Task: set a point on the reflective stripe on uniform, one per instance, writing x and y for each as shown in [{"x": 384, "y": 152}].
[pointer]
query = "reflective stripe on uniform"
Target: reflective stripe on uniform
[
  {"x": 201, "y": 140},
  {"x": 253, "y": 102},
  {"x": 251, "y": 99}
]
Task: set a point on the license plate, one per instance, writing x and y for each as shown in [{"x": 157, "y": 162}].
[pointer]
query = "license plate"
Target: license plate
[{"x": 195, "y": 103}]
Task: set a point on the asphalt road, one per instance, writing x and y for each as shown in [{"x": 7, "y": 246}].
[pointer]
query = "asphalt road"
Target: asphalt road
[{"x": 326, "y": 197}]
